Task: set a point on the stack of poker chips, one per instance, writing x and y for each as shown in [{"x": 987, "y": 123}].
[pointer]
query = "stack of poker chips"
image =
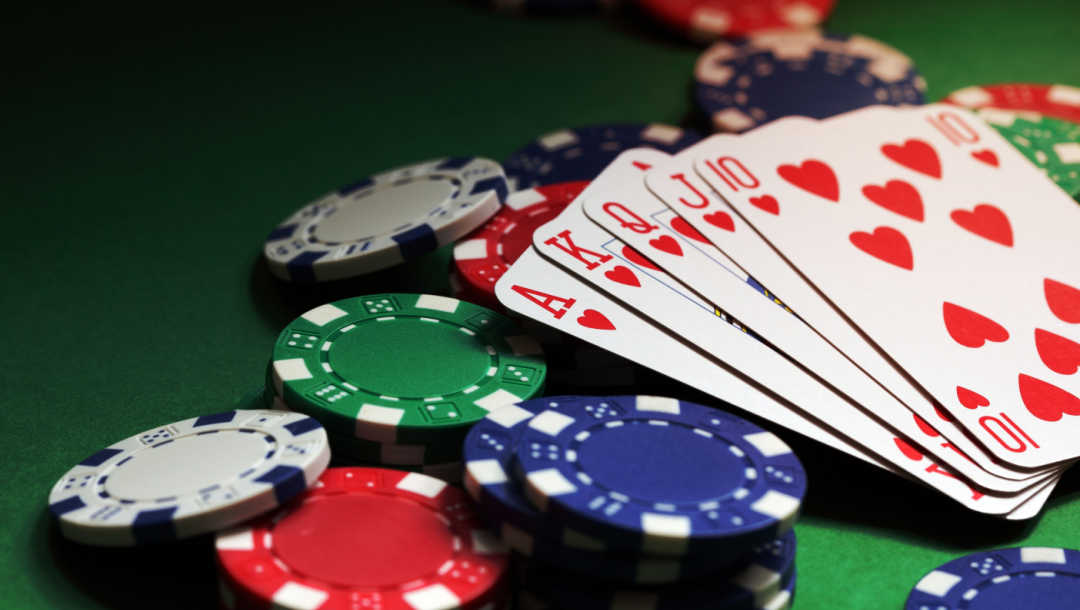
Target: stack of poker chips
[
  {"x": 290, "y": 533},
  {"x": 398, "y": 379},
  {"x": 611, "y": 501}
]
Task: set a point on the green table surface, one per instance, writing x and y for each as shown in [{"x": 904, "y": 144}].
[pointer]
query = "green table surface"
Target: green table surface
[{"x": 148, "y": 151}]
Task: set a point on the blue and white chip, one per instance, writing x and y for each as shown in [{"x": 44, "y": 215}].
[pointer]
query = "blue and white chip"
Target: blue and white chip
[
  {"x": 1020, "y": 577},
  {"x": 740, "y": 85},
  {"x": 489, "y": 452},
  {"x": 385, "y": 219},
  {"x": 581, "y": 153},
  {"x": 764, "y": 580},
  {"x": 190, "y": 477},
  {"x": 661, "y": 476}
]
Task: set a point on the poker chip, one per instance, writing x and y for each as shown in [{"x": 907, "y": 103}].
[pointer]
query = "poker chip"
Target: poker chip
[
  {"x": 1051, "y": 144},
  {"x": 385, "y": 219},
  {"x": 482, "y": 257},
  {"x": 706, "y": 20},
  {"x": 489, "y": 453},
  {"x": 404, "y": 368},
  {"x": 742, "y": 84},
  {"x": 190, "y": 477},
  {"x": 582, "y": 153},
  {"x": 385, "y": 454},
  {"x": 1058, "y": 101},
  {"x": 368, "y": 538},
  {"x": 660, "y": 475},
  {"x": 1021, "y": 577},
  {"x": 764, "y": 580}
]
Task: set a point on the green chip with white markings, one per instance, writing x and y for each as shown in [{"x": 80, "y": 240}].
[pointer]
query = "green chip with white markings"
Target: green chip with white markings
[
  {"x": 404, "y": 368},
  {"x": 1051, "y": 144}
]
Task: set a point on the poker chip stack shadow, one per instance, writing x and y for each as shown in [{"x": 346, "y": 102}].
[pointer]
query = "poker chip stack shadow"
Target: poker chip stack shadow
[
  {"x": 397, "y": 379},
  {"x": 638, "y": 501}
]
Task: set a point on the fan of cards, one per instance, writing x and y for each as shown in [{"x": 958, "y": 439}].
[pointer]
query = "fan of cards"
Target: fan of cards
[{"x": 897, "y": 283}]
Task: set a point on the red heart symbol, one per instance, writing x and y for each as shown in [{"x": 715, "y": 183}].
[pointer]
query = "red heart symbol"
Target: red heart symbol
[
  {"x": 969, "y": 328},
  {"x": 1059, "y": 354},
  {"x": 910, "y": 452},
  {"x": 812, "y": 176},
  {"x": 767, "y": 203},
  {"x": 720, "y": 219},
  {"x": 985, "y": 221},
  {"x": 622, "y": 275},
  {"x": 971, "y": 400},
  {"x": 986, "y": 155},
  {"x": 635, "y": 257},
  {"x": 595, "y": 320},
  {"x": 916, "y": 155},
  {"x": 1047, "y": 401},
  {"x": 896, "y": 196},
  {"x": 1064, "y": 300},
  {"x": 887, "y": 244},
  {"x": 666, "y": 243},
  {"x": 683, "y": 227},
  {"x": 925, "y": 426}
]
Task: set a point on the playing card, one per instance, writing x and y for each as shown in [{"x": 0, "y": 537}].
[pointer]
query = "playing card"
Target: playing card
[
  {"x": 650, "y": 227},
  {"x": 538, "y": 289},
  {"x": 702, "y": 210},
  {"x": 946, "y": 248},
  {"x": 583, "y": 248}
]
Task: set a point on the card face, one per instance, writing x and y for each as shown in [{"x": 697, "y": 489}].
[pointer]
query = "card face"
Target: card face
[
  {"x": 679, "y": 249},
  {"x": 947, "y": 249},
  {"x": 583, "y": 248},
  {"x": 679, "y": 186},
  {"x": 537, "y": 288}
]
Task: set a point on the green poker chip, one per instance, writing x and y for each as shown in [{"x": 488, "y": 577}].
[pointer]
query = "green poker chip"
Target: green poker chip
[
  {"x": 404, "y": 368},
  {"x": 363, "y": 451},
  {"x": 1051, "y": 144}
]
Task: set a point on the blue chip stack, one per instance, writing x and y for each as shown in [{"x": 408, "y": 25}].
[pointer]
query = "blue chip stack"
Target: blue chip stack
[
  {"x": 582, "y": 153},
  {"x": 742, "y": 84},
  {"x": 615, "y": 500}
]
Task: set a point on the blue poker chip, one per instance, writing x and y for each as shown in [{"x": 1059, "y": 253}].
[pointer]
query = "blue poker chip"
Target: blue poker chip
[
  {"x": 765, "y": 581},
  {"x": 488, "y": 454},
  {"x": 385, "y": 219},
  {"x": 582, "y": 153},
  {"x": 1021, "y": 577},
  {"x": 660, "y": 476},
  {"x": 742, "y": 84}
]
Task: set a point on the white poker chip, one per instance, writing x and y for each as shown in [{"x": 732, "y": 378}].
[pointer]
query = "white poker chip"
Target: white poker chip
[
  {"x": 385, "y": 219},
  {"x": 191, "y": 477}
]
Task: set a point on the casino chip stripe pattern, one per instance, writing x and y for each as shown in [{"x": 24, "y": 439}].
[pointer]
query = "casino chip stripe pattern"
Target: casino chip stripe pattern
[
  {"x": 484, "y": 255},
  {"x": 1021, "y": 577},
  {"x": 1058, "y": 101},
  {"x": 581, "y": 153},
  {"x": 742, "y": 84},
  {"x": 188, "y": 478},
  {"x": 368, "y": 538},
  {"x": 385, "y": 219},
  {"x": 707, "y": 20},
  {"x": 404, "y": 368}
]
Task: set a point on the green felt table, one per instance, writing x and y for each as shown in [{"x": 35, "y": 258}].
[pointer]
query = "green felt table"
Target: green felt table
[{"x": 147, "y": 155}]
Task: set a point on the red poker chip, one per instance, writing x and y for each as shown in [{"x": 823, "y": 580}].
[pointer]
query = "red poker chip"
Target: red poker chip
[
  {"x": 710, "y": 19},
  {"x": 483, "y": 256},
  {"x": 367, "y": 538},
  {"x": 1058, "y": 101}
]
